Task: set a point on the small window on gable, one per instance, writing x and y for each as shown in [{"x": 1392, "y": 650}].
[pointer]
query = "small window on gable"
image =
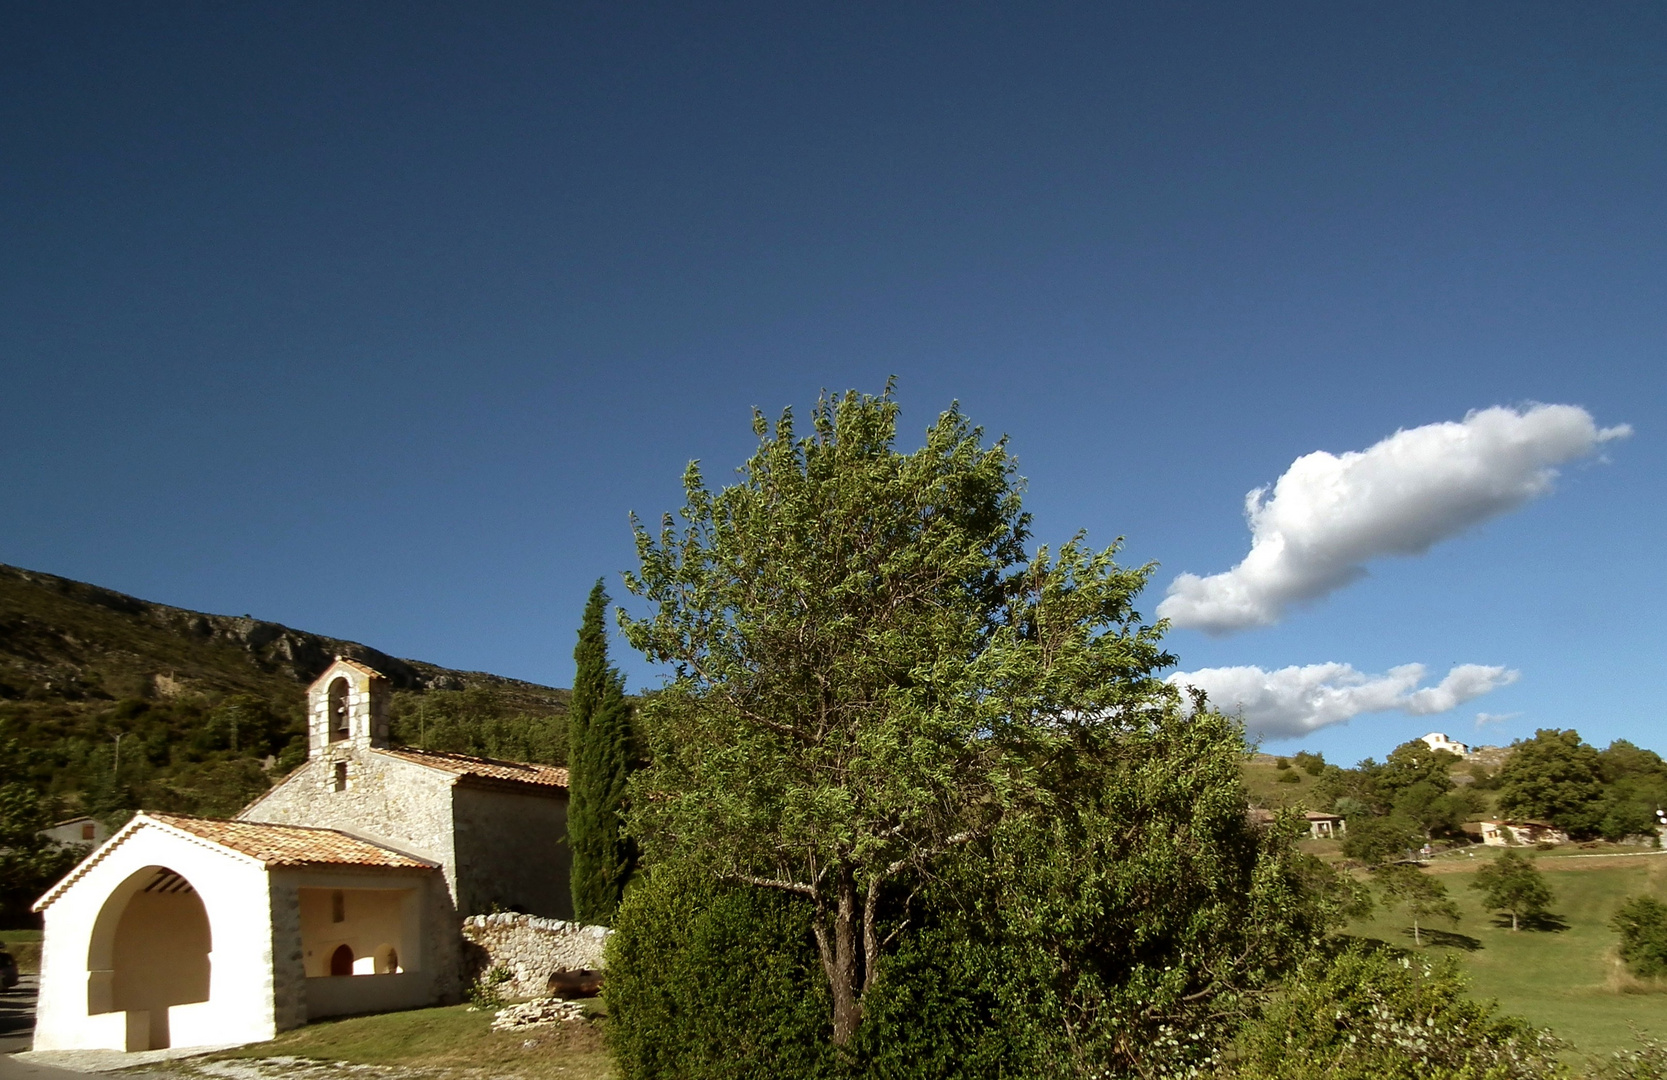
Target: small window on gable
[
  {"x": 338, "y": 782},
  {"x": 87, "y": 831},
  {"x": 338, "y": 906}
]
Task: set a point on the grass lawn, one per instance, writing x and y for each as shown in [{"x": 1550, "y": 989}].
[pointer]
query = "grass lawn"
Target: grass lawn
[
  {"x": 25, "y": 947},
  {"x": 445, "y": 1039},
  {"x": 1564, "y": 977}
]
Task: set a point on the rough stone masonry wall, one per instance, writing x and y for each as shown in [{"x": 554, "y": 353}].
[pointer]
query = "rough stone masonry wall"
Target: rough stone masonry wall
[{"x": 532, "y": 948}]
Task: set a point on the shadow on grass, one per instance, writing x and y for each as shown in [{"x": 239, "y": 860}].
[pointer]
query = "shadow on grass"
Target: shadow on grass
[
  {"x": 1543, "y": 924},
  {"x": 1444, "y": 939}
]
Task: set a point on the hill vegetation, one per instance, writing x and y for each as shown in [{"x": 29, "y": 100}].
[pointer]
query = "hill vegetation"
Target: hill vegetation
[{"x": 109, "y": 704}]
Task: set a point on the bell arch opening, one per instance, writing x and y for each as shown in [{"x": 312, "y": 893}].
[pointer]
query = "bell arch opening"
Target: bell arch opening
[
  {"x": 150, "y": 951},
  {"x": 338, "y": 717}
]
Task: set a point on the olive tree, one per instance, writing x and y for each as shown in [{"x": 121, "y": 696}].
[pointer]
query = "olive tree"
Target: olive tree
[{"x": 869, "y": 668}]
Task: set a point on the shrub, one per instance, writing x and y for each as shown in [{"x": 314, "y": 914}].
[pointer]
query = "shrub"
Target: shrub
[
  {"x": 1642, "y": 924},
  {"x": 1281, "y": 764},
  {"x": 487, "y": 991},
  {"x": 1290, "y": 776},
  {"x": 708, "y": 982},
  {"x": 1374, "y": 1014}
]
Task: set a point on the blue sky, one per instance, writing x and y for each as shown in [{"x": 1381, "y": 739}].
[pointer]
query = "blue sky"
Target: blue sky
[{"x": 378, "y": 319}]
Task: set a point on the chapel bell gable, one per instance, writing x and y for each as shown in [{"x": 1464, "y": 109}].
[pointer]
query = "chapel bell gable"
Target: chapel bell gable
[{"x": 347, "y": 706}]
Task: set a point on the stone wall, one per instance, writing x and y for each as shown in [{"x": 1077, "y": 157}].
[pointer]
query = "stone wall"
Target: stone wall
[
  {"x": 388, "y": 800},
  {"x": 531, "y": 948},
  {"x": 512, "y": 850}
]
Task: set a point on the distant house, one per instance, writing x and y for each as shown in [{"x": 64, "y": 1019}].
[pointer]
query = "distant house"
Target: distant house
[
  {"x": 1325, "y": 826},
  {"x": 78, "y": 830},
  {"x": 1436, "y": 740},
  {"x": 1506, "y": 832}
]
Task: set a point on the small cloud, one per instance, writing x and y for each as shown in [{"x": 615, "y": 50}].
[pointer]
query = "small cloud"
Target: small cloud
[
  {"x": 1313, "y": 532},
  {"x": 1297, "y": 700},
  {"x": 1483, "y": 719}
]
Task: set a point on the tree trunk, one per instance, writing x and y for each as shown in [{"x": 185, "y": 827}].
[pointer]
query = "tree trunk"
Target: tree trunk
[
  {"x": 1416, "y": 943},
  {"x": 1513, "y": 922},
  {"x": 841, "y": 961}
]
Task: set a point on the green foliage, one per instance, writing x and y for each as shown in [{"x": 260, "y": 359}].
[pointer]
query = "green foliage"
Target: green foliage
[
  {"x": 1146, "y": 905},
  {"x": 487, "y": 991},
  {"x": 1282, "y": 764},
  {"x": 1364, "y": 1014},
  {"x": 29, "y": 863},
  {"x": 714, "y": 981},
  {"x": 1312, "y": 764},
  {"x": 602, "y": 761},
  {"x": 1374, "y": 840},
  {"x": 1642, "y": 924},
  {"x": 1413, "y": 763},
  {"x": 871, "y": 670},
  {"x": 1423, "y": 897},
  {"x": 1513, "y": 884},
  {"x": 479, "y": 720},
  {"x": 1436, "y": 812},
  {"x": 1290, "y": 777},
  {"x": 1554, "y": 776},
  {"x": 1647, "y": 1061}
]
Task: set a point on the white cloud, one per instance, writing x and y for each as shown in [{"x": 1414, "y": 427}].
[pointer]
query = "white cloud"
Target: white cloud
[
  {"x": 1330, "y": 514},
  {"x": 1483, "y": 719},
  {"x": 1297, "y": 700}
]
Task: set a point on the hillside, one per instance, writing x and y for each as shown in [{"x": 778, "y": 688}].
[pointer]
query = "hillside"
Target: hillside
[
  {"x": 67, "y": 641},
  {"x": 109, "y": 703}
]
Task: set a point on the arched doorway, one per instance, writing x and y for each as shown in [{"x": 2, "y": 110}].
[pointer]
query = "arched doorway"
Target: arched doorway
[
  {"x": 341, "y": 961},
  {"x": 150, "y": 950}
]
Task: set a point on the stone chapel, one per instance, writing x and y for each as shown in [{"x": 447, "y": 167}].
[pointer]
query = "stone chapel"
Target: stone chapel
[{"x": 341, "y": 890}]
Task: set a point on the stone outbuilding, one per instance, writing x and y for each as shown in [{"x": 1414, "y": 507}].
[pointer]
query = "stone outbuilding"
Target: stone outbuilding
[
  {"x": 1510, "y": 831},
  {"x": 78, "y": 830},
  {"x": 1325, "y": 826},
  {"x": 341, "y": 890}
]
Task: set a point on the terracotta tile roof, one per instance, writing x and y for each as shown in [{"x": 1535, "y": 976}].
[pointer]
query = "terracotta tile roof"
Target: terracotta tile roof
[
  {"x": 290, "y": 845},
  {"x": 272, "y": 845},
  {"x": 363, "y": 669},
  {"x": 515, "y": 772}
]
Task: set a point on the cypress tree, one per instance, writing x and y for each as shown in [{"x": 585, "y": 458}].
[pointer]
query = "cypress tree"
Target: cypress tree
[{"x": 599, "y": 759}]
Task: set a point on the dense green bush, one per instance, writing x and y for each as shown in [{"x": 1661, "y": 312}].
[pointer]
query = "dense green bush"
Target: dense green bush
[
  {"x": 713, "y": 983},
  {"x": 1376, "y": 1014},
  {"x": 1642, "y": 924}
]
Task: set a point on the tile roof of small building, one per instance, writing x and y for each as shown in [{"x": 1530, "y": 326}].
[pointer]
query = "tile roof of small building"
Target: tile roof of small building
[
  {"x": 290, "y": 845},
  {"x": 515, "y": 772},
  {"x": 273, "y": 846}
]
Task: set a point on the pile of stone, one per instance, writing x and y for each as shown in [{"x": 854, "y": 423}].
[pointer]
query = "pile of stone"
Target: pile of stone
[{"x": 533, "y": 1013}]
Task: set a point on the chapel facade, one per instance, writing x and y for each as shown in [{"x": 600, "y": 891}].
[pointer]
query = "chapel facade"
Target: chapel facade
[{"x": 341, "y": 890}]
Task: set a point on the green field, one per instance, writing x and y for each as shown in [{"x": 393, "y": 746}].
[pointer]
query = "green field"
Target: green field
[
  {"x": 448, "y": 1041},
  {"x": 1565, "y": 978}
]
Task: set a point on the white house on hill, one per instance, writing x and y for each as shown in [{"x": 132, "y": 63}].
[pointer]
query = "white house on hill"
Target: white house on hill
[
  {"x": 1435, "y": 740},
  {"x": 339, "y": 891}
]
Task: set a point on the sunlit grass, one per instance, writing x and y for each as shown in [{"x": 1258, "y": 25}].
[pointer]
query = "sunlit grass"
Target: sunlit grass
[{"x": 1567, "y": 978}]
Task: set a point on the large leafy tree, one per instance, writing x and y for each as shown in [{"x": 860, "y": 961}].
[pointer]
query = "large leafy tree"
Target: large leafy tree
[
  {"x": 600, "y": 759},
  {"x": 1554, "y": 776},
  {"x": 871, "y": 671}
]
